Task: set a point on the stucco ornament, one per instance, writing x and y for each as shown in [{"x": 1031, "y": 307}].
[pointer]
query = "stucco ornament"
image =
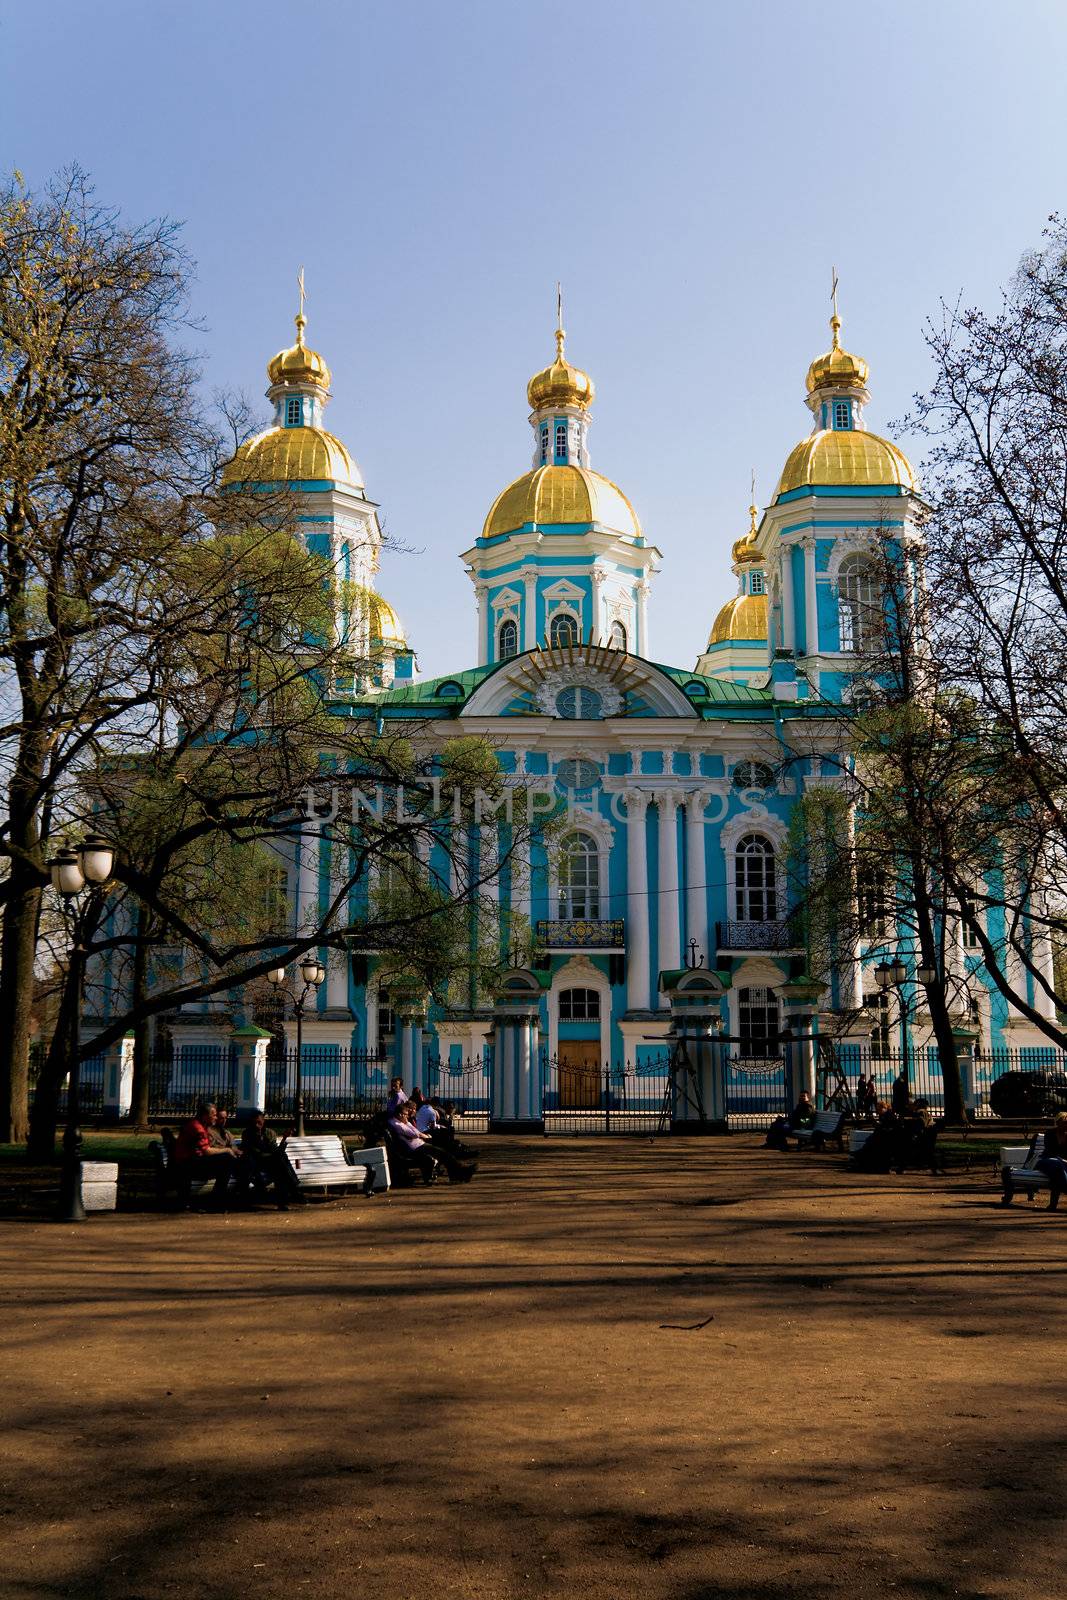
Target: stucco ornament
[{"x": 577, "y": 677}]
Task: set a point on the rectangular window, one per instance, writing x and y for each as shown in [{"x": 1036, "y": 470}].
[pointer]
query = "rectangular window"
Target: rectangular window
[
  {"x": 881, "y": 1022},
  {"x": 293, "y": 413},
  {"x": 842, "y": 414},
  {"x": 757, "y": 583},
  {"x": 970, "y": 908},
  {"x": 871, "y": 902},
  {"x": 561, "y": 441}
]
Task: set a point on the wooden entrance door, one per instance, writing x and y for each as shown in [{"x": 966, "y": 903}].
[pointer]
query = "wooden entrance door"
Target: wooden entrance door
[{"x": 579, "y": 1074}]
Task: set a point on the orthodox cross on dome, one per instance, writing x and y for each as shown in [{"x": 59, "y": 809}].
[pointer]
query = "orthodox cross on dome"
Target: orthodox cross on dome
[
  {"x": 835, "y": 320},
  {"x": 301, "y": 320},
  {"x": 752, "y": 501},
  {"x": 560, "y": 330}
]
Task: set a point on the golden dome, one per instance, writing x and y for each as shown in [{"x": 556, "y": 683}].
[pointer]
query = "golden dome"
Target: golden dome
[
  {"x": 846, "y": 456},
  {"x": 298, "y": 364},
  {"x": 837, "y": 369},
  {"x": 744, "y": 551},
  {"x": 560, "y": 384},
  {"x": 743, "y": 617},
  {"x": 548, "y": 496},
  {"x": 385, "y": 626},
  {"x": 293, "y": 455}
]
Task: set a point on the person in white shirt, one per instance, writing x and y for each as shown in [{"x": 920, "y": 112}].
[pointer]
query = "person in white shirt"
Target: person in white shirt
[{"x": 426, "y": 1118}]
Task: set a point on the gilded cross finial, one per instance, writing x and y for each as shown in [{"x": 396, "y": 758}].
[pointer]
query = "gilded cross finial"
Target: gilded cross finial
[
  {"x": 752, "y": 508},
  {"x": 301, "y": 320},
  {"x": 560, "y": 332},
  {"x": 835, "y": 320}
]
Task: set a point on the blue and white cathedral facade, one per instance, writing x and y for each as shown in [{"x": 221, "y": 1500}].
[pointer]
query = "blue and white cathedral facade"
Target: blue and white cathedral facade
[{"x": 684, "y": 777}]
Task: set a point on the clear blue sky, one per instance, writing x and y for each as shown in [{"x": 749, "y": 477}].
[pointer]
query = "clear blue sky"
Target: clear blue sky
[{"x": 689, "y": 170}]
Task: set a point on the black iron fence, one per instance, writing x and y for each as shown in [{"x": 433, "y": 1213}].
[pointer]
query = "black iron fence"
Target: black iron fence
[{"x": 840, "y": 1066}]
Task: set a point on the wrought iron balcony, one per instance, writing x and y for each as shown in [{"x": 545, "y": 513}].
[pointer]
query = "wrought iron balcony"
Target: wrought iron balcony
[
  {"x": 581, "y": 933},
  {"x": 755, "y": 936}
]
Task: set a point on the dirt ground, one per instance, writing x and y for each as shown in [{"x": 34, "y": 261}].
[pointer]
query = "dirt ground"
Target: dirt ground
[{"x": 605, "y": 1368}]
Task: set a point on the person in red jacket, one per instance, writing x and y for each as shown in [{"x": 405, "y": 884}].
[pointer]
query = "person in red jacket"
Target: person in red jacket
[{"x": 200, "y": 1159}]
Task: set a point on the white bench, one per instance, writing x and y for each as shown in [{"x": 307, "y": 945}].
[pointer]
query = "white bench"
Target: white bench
[
  {"x": 1018, "y": 1169},
  {"x": 320, "y": 1161},
  {"x": 827, "y": 1125}
]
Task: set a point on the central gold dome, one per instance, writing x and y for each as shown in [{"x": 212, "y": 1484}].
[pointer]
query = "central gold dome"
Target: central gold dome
[
  {"x": 560, "y": 384},
  {"x": 293, "y": 455},
  {"x": 842, "y": 457},
  {"x": 548, "y": 496}
]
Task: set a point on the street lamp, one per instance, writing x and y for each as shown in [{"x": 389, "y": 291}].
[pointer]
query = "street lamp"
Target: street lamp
[
  {"x": 893, "y": 975},
  {"x": 314, "y": 975},
  {"x": 72, "y": 871}
]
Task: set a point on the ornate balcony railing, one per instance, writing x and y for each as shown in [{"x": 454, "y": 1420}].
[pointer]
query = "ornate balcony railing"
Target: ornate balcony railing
[
  {"x": 581, "y": 933},
  {"x": 755, "y": 936}
]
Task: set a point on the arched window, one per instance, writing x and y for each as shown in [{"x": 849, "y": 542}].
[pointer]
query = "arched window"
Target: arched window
[
  {"x": 617, "y": 636},
  {"x": 561, "y": 441},
  {"x": 756, "y": 585},
  {"x": 758, "y": 1022},
  {"x": 579, "y": 877},
  {"x": 755, "y": 889},
  {"x": 564, "y": 630},
  {"x": 579, "y": 1005},
  {"x": 508, "y": 639},
  {"x": 858, "y": 603},
  {"x": 544, "y": 443}
]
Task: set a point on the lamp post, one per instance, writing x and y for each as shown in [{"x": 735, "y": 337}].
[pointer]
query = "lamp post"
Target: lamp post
[
  {"x": 73, "y": 870},
  {"x": 893, "y": 975},
  {"x": 313, "y": 973}
]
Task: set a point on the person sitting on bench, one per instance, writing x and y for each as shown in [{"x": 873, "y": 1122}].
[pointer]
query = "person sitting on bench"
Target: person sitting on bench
[
  {"x": 219, "y": 1135},
  {"x": 422, "y": 1152},
  {"x": 196, "y": 1159},
  {"x": 267, "y": 1166},
  {"x": 801, "y": 1116},
  {"x": 1054, "y": 1161},
  {"x": 441, "y": 1134},
  {"x": 397, "y": 1097}
]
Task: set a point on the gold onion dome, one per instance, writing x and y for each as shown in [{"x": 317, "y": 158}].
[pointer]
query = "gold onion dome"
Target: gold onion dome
[
  {"x": 293, "y": 455},
  {"x": 745, "y": 553},
  {"x": 548, "y": 496},
  {"x": 743, "y": 617},
  {"x": 298, "y": 364},
  {"x": 560, "y": 384},
  {"x": 384, "y": 624},
  {"x": 837, "y": 369},
  {"x": 841, "y": 457}
]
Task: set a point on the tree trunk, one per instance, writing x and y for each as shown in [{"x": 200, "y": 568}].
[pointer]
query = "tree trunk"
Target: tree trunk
[
  {"x": 44, "y": 1119},
  {"x": 18, "y": 947},
  {"x": 944, "y": 1033},
  {"x": 142, "y": 1032}
]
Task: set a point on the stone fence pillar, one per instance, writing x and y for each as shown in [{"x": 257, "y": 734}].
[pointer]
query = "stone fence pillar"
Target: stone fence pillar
[
  {"x": 250, "y": 1064},
  {"x": 517, "y": 1101},
  {"x": 118, "y": 1079}
]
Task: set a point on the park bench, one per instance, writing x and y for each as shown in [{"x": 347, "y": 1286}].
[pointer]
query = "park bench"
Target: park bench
[
  {"x": 827, "y": 1125},
  {"x": 1018, "y": 1169},
  {"x": 320, "y": 1161}
]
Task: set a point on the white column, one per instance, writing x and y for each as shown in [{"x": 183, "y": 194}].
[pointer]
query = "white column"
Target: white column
[
  {"x": 481, "y": 590},
  {"x": 637, "y": 908},
  {"x": 489, "y": 861},
  {"x": 307, "y": 879},
  {"x": 811, "y": 605},
  {"x": 597, "y": 578},
  {"x": 696, "y": 879},
  {"x": 337, "y": 960},
  {"x": 789, "y": 621},
  {"x": 529, "y": 615},
  {"x": 670, "y": 953},
  {"x": 641, "y": 646}
]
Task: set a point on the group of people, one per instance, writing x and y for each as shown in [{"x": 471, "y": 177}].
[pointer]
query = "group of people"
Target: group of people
[
  {"x": 255, "y": 1168},
  {"x": 424, "y": 1134}
]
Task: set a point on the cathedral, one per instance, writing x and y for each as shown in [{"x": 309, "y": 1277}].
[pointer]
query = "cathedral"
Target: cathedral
[{"x": 683, "y": 776}]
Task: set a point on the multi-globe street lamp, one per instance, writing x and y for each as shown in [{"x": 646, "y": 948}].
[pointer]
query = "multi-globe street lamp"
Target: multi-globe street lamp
[
  {"x": 893, "y": 975},
  {"x": 313, "y": 973},
  {"x": 72, "y": 871}
]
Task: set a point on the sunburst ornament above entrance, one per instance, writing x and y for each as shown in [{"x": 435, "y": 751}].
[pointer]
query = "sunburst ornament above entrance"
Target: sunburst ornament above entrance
[{"x": 578, "y": 682}]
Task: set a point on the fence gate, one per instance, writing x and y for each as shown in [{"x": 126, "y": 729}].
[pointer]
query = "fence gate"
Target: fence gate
[
  {"x": 582, "y": 1094},
  {"x": 756, "y": 1089}
]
